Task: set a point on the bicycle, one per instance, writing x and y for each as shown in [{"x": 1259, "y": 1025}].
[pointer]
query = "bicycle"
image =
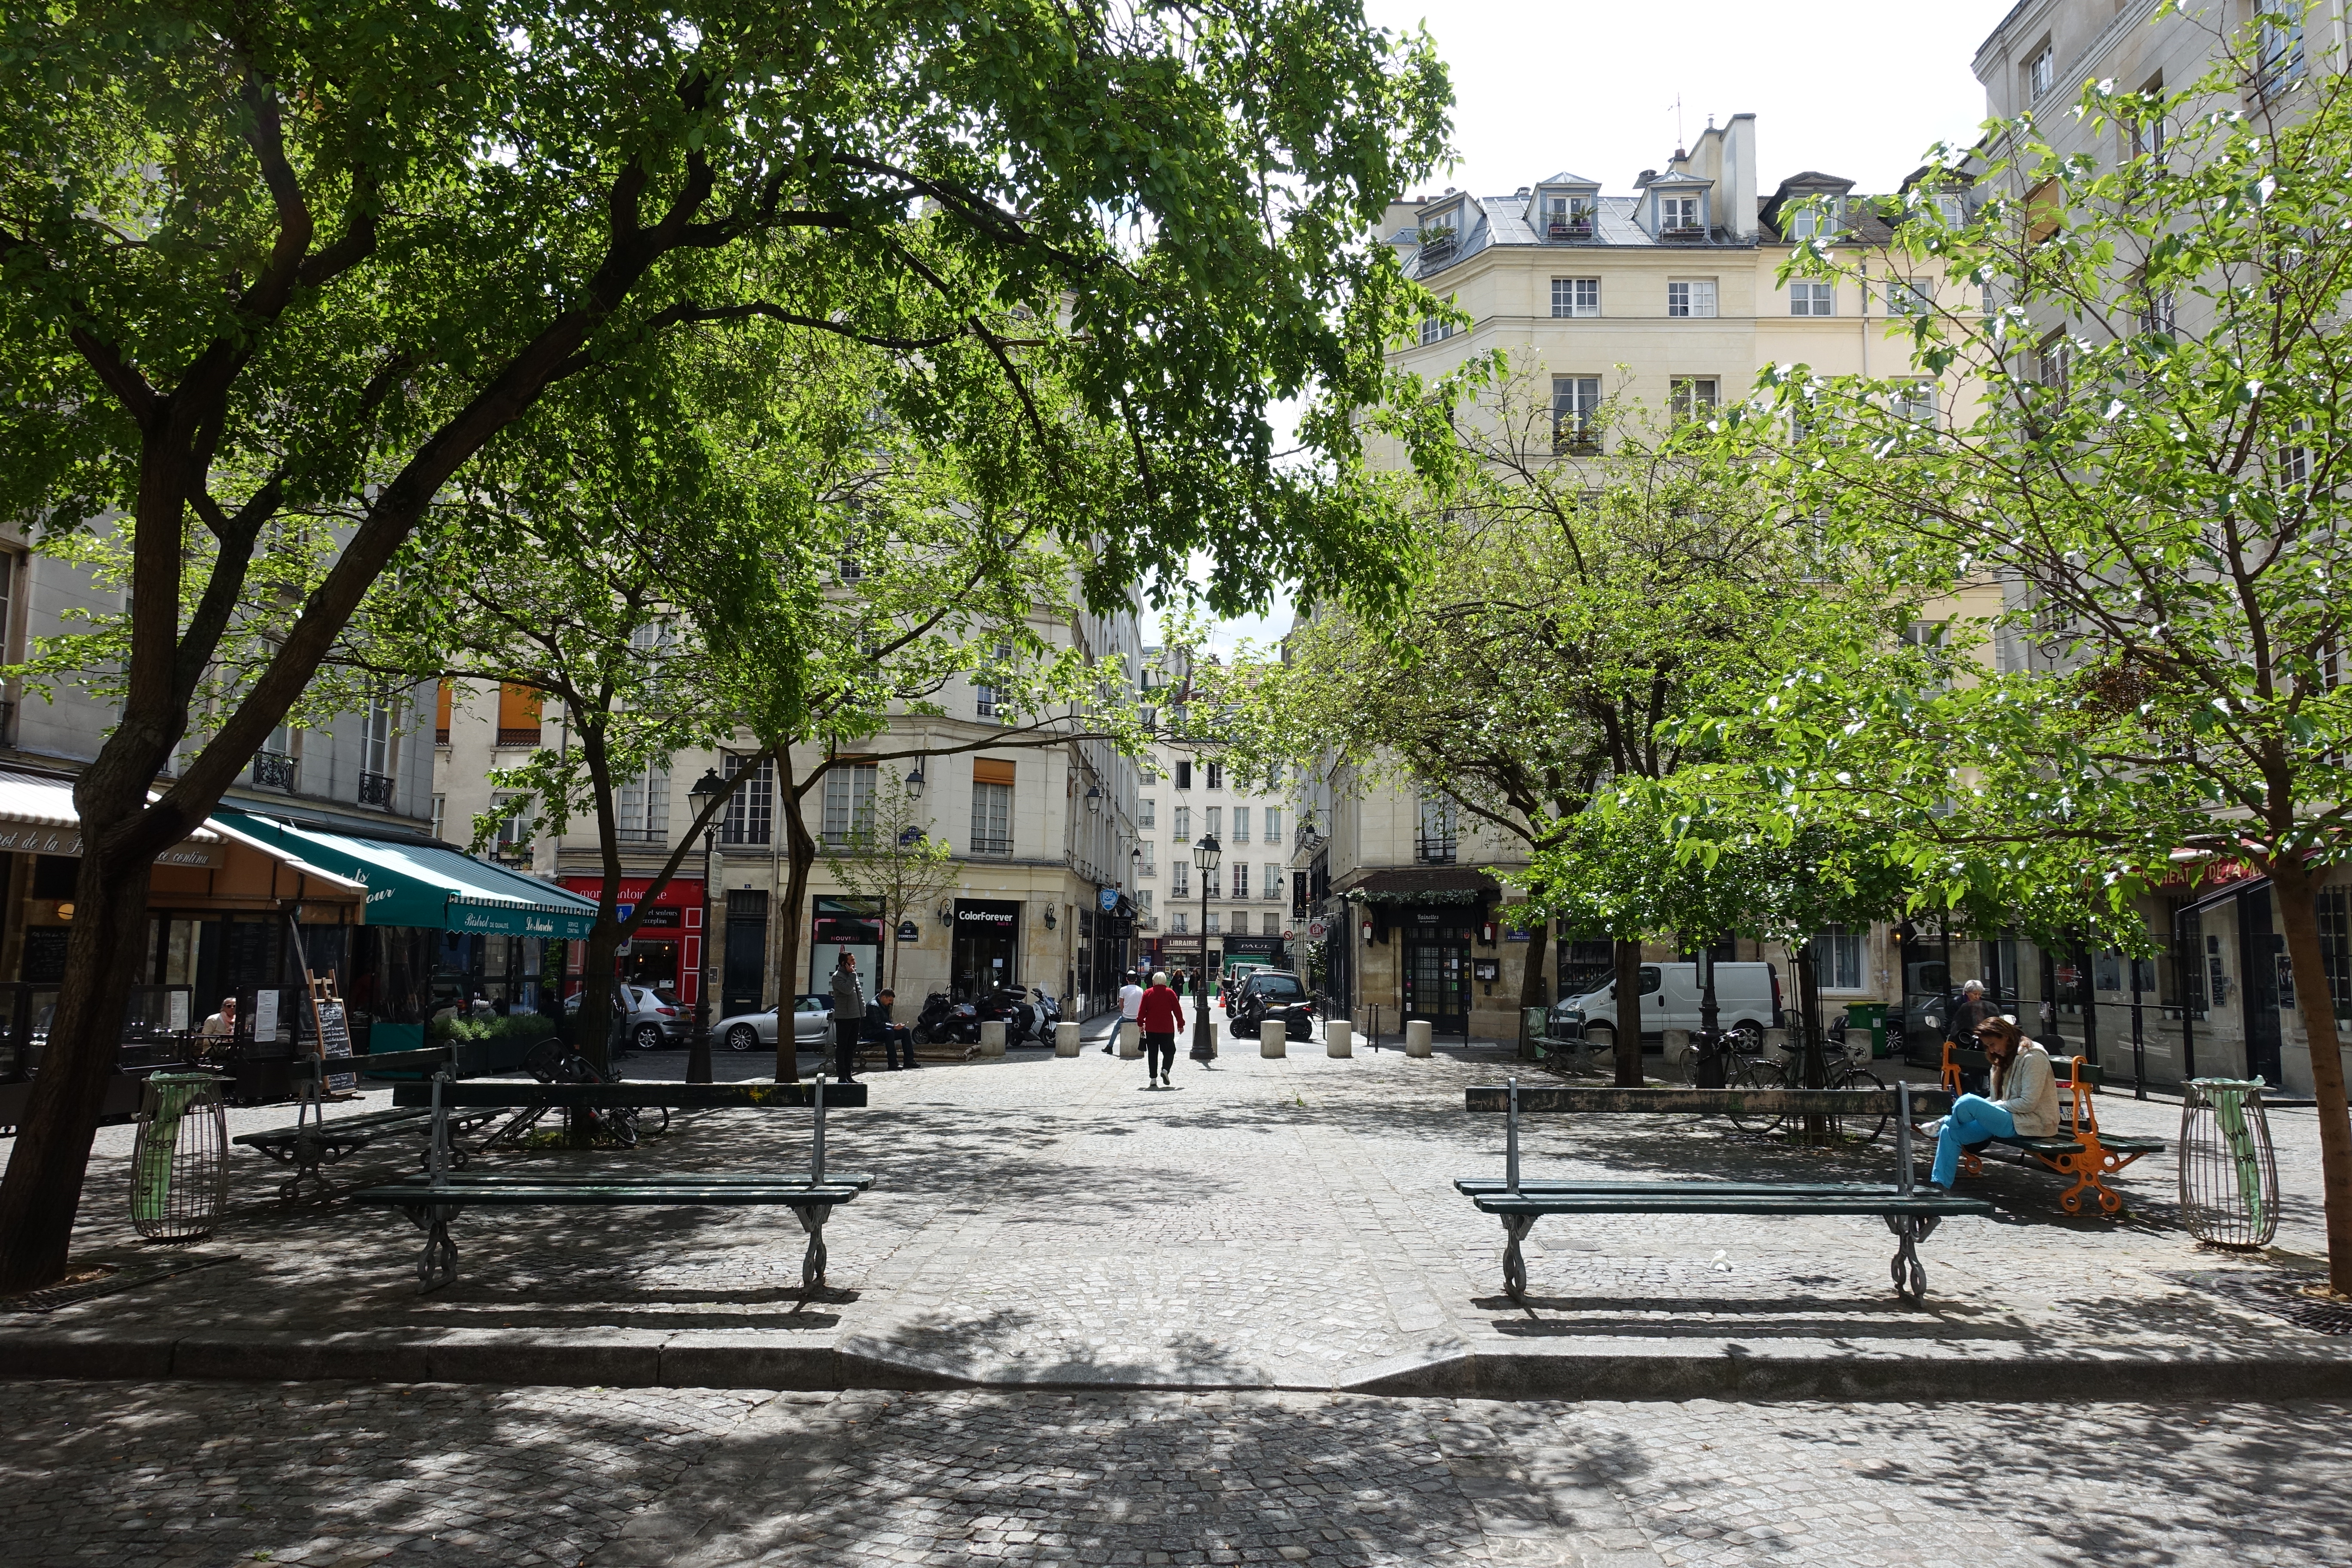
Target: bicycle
[
  {"x": 552, "y": 1061},
  {"x": 1839, "y": 1071}
]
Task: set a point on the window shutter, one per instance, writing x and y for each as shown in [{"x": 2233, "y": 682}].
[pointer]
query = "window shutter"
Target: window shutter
[{"x": 990, "y": 770}]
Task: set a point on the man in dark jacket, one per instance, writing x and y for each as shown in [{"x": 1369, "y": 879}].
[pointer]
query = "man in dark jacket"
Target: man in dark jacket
[
  {"x": 892, "y": 1037},
  {"x": 848, "y": 1016}
]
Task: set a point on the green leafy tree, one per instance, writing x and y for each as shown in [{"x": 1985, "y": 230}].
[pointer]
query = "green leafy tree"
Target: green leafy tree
[
  {"x": 2149, "y": 452},
  {"x": 301, "y": 265}
]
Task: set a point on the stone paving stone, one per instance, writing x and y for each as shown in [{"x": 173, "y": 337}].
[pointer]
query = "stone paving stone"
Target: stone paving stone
[
  {"x": 118, "y": 1475},
  {"x": 1270, "y": 1224}
]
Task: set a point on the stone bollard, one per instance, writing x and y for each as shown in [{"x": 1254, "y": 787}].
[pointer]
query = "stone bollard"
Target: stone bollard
[
  {"x": 1273, "y": 1038},
  {"x": 1675, "y": 1042},
  {"x": 1339, "y": 1038},
  {"x": 1130, "y": 1041},
  {"x": 1776, "y": 1039},
  {"x": 1418, "y": 1033},
  {"x": 991, "y": 1038},
  {"x": 1066, "y": 1040}
]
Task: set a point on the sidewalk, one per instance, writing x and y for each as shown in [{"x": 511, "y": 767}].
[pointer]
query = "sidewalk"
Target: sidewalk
[{"x": 1289, "y": 1224}]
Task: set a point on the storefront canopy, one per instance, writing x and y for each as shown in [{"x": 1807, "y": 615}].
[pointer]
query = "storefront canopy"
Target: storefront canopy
[{"x": 428, "y": 886}]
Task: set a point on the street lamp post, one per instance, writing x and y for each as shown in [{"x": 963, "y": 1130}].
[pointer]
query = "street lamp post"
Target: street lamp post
[
  {"x": 698, "y": 1053},
  {"x": 1206, "y": 853}
]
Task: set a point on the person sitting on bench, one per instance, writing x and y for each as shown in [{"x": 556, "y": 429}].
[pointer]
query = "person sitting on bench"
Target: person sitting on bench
[
  {"x": 2027, "y": 1106},
  {"x": 879, "y": 1030}
]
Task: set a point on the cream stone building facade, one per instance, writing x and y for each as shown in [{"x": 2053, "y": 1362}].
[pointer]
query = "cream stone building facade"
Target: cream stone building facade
[
  {"x": 1040, "y": 834},
  {"x": 1664, "y": 299}
]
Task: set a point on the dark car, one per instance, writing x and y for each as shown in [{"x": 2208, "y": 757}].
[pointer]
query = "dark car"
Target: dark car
[{"x": 1271, "y": 993}]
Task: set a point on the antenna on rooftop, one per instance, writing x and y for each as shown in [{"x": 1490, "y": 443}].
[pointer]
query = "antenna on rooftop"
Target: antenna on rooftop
[{"x": 1679, "y": 142}]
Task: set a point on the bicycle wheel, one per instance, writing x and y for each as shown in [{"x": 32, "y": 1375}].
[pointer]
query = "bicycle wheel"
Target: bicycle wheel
[
  {"x": 1754, "y": 1072},
  {"x": 1863, "y": 1077}
]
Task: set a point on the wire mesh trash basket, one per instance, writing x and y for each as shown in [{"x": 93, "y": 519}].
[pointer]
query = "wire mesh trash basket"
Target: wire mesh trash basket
[
  {"x": 2229, "y": 1178},
  {"x": 179, "y": 1162}
]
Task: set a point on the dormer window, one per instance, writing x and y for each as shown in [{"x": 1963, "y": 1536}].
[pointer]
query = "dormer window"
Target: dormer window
[
  {"x": 1679, "y": 216},
  {"x": 1441, "y": 234},
  {"x": 1567, "y": 217},
  {"x": 1816, "y": 216}
]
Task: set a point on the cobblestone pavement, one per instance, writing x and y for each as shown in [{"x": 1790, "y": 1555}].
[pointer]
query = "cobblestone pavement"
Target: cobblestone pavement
[
  {"x": 1283, "y": 1222},
  {"x": 189, "y": 1473}
]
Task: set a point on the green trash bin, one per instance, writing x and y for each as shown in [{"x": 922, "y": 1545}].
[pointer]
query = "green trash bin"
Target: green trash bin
[
  {"x": 1870, "y": 1016},
  {"x": 178, "y": 1158}
]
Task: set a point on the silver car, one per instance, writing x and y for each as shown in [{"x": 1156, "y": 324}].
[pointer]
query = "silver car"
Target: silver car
[
  {"x": 646, "y": 1019},
  {"x": 811, "y": 1026}
]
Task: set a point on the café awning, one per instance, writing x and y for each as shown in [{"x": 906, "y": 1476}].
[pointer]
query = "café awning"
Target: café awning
[
  {"x": 37, "y": 817},
  {"x": 428, "y": 885}
]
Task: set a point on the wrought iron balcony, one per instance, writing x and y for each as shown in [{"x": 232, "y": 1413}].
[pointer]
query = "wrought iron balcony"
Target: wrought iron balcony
[
  {"x": 1569, "y": 225},
  {"x": 518, "y": 736},
  {"x": 1435, "y": 851},
  {"x": 991, "y": 846},
  {"x": 375, "y": 789},
  {"x": 273, "y": 770}
]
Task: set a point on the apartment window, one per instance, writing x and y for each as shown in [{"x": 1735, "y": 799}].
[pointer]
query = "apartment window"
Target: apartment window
[
  {"x": 1212, "y": 922},
  {"x": 2294, "y": 465},
  {"x": 1837, "y": 959},
  {"x": 440, "y": 814},
  {"x": 518, "y": 715},
  {"x": 1241, "y": 878},
  {"x": 1273, "y": 825},
  {"x": 1180, "y": 922},
  {"x": 1270, "y": 885},
  {"x": 1183, "y": 824},
  {"x": 1576, "y": 296},
  {"x": 1814, "y": 217},
  {"x": 1952, "y": 210},
  {"x": 989, "y": 698},
  {"x": 2280, "y": 49},
  {"x": 1437, "y": 240},
  {"x": 1909, "y": 297},
  {"x": 1269, "y": 925},
  {"x": 2055, "y": 363},
  {"x": 1151, "y": 809},
  {"x": 1435, "y": 843},
  {"x": 2335, "y": 945},
  {"x": 514, "y": 828},
  {"x": 1150, "y": 864},
  {"x": 1691, "y": 396},
  {"x": 1143, "y": 900},
  {"x": 1916, "y": 400},
  {"x": 750, "y": 813},
  {"x": 1211, "y": 882},
  {"x": 1241, "y": 824},
  {"x": 1183, "y": 775},
  {"x": 1567, "y": 217},
  {"x": 1179, "y": 878},
  {"x": 1216, "y": 776},
  {"x": 991, "y": 819},
  {"x": 1812, "y": 298},
  {"x": 2156, "y": 313},
  {"x": 2040, "y": 72},
  {"x": 1678, "y": 214},
  {"x": 1690, "y": 297},
  {"x": 1575, "y": 413},
  {"x": 1433, "y": 331},
  {"x": 1212, "y": 817},
  {"x": 444, "y": 701},
  {"x": 848, "y": 801},
  {"x": 644, "y": 806},
  {"x": 375, "y": 738}
]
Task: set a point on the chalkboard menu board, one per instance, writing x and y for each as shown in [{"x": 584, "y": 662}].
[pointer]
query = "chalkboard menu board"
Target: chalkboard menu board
[
  {"x": 334, "y": 1040},
  {"x": 44, "y": 954}
]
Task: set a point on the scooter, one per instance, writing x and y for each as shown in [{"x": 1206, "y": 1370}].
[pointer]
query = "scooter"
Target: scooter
[
  {"x": 1049, "y": 1014},
  {"x": 946, "y": 1021}
]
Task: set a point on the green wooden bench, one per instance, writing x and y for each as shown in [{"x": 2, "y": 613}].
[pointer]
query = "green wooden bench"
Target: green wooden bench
[
  {"x": 1911, "y": 1215},
  {"x": 435, "y": 1198},
  {"x": 2079, "y": 1149},
  {"x": 314, "y": 1142}
]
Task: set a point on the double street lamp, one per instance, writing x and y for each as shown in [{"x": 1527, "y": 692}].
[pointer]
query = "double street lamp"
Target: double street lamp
[
  {"x": 698, "y": 1053},
  {"x": 1206, "y": 853}
]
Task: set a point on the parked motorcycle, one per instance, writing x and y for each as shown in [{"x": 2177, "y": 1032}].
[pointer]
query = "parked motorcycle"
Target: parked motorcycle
[
  {"x": 946, "y": 1021},
  {"x": 1010, "y": 1006},
  {"x": 1049, "y": 1014}
]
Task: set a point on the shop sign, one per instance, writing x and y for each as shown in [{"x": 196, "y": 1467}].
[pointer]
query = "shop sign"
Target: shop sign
[
  {"x": 1001, "y": 916},
  {"x": 1109, "y": 899},
  {"x": 24, "y": 838}
]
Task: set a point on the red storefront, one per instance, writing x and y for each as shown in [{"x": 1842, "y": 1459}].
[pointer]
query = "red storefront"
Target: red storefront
[{"x": 666, "y": 952}]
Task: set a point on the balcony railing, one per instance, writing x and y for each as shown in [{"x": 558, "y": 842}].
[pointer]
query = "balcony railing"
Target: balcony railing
[
  {"x": 441, "y": 736},
  {"x": 273, "y": 770},
  {"x": 1576, "y": 436},
  {"x": 642, "y": 835},
  {"x": 1433, "y": 851},
  {"x": 518, "y": 736},
  {"x": 1569, "y": 225},
  {"x": 989, "y": 846},
  {"x": 1682, "y": 231},
  {"x": 375, "y": 789},
  {"x": 1437, "y": 248}
]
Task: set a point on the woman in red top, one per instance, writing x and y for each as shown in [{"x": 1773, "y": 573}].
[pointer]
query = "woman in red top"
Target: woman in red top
[{"x": 1161, "y": 1016}]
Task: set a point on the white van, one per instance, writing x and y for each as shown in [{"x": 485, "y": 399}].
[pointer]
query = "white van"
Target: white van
[{"x": 1747, "y": 998}]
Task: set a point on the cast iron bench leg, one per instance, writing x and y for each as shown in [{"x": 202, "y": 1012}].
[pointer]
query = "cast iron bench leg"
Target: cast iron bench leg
[
  {"x": 811, "y": 1219},
  {"x": 1515, "y": 1264},
  {"x": 437, "y": 1265},
  {"x": 1910, "y": 1274},
  {"x": 305, "y": 1154}
]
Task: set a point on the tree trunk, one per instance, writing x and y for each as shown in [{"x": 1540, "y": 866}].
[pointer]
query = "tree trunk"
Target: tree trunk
[
  {"x": 2298, "y": 912},
  {"x": 1629, "y": 1015},
  {"x": 800, "y": 855},
  {"x": 1531, "y": 978},
  {"x": 42, "y": 1191},
  {"x": 593, "y": 1032},
  {"x": 1808, "y": 1024}
]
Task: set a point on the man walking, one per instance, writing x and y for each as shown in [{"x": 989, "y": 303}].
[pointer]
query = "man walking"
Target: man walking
[
  {"x": 848, "y": 1016},
  {"x": 1162, "y": 1018},
  {"x": 1131, "y": 1005}
]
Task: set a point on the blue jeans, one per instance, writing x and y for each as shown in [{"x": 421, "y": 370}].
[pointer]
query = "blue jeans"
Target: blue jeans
[{"x": 1974, "y": 1121}]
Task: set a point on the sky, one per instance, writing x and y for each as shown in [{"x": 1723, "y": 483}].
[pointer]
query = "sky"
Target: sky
[{"x": 1855, "y": 88}]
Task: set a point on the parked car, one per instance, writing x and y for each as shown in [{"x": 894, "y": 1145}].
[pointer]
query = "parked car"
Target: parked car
[
  {"x": 811, "y": 1026},
  {"x": 1270, "y": 994},
  {"x": 1746, "y": 999},
  {"x": 650, "y": 1019}
]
